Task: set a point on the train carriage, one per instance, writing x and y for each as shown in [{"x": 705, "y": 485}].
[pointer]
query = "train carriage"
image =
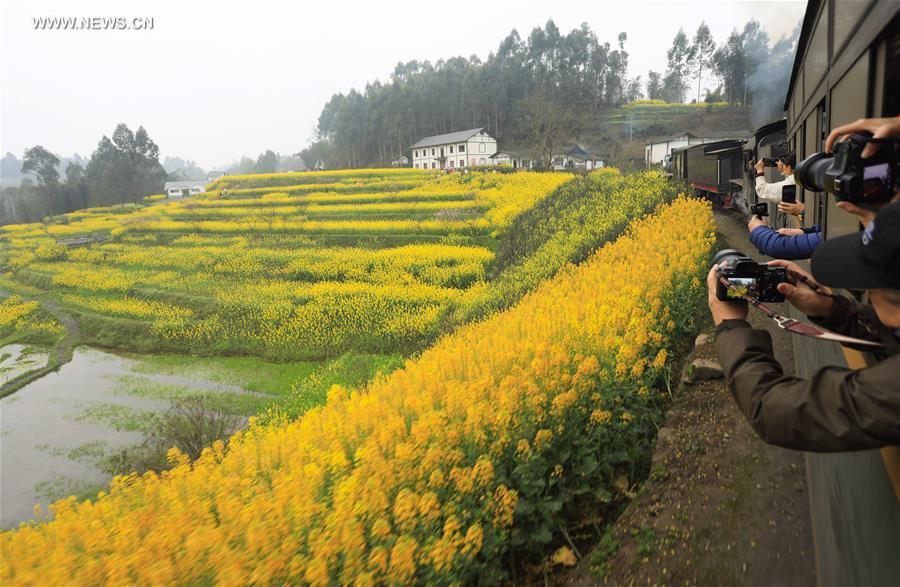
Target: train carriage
[
  {"x": 710, "y": 169},
  {"x": 847, "y": 67}
]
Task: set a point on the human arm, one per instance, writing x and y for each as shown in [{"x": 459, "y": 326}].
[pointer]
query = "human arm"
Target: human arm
[
  {"x": 835, "y": 313},
  {"x": 837, "y": 409},
  {"x": 780, "y": 246},
  {"x": 790, "y": 231},
  {"x": 879, "y": 127},
  {"x": 792, "y": 208},
  {"x": 768, "y": 192}
]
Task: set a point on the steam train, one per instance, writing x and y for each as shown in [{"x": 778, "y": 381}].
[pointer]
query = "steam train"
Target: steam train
[{"x": 724, "y": 170}]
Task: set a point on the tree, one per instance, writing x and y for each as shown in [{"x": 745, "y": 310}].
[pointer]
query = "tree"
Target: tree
[
  {"x": 729, "y": 65},
  {"x": 267, "y": 162},
  {"x": 549, "y": 124},
  {"x": 633, "y": 90},
  {"x": 377, "y": 123},
  {"x": 42, "y": 163},
  {"x": 125, "y": 168},
  {"x": 654, "y": 86},
  {"x": 674, "y": 82},
  {"x": 701, "y": 53}
]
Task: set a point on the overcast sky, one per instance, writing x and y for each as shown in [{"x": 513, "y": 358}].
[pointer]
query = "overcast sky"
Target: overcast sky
[{"x": 216, "y": 80}]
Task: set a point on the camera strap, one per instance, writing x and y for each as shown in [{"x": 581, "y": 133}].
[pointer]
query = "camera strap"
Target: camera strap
[{"x": 795, "y": 326}]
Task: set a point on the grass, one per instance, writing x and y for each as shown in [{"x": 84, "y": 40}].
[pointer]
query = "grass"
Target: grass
[
  {"x": 248, "y": 373},
  {"x": 116, "y": 416}
]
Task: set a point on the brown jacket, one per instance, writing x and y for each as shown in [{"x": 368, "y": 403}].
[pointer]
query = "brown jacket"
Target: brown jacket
[{"x": 837, "y": 409}]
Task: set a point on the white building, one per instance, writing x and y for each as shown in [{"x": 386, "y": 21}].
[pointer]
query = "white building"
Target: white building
[
  {"x": 181, "y": 189},
  {"x": 577, "y": 157},
  {"x": 401, "y": 161},
  {"x": 454, "y": 150},
  {"x": 658, "y": 148},
  {"x": 566, "y": 157}
]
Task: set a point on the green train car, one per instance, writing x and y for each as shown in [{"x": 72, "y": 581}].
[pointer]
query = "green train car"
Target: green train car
[{"x": 847, "y": 67}]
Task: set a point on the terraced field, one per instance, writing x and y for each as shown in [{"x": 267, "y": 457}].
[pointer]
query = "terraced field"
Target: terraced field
[{"x": 283, "y": 266}]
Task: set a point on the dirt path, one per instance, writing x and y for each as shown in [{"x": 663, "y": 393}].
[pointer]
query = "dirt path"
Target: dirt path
[
  {"x": 721, "y": 507},
  {"x": 60, "y": 354}
]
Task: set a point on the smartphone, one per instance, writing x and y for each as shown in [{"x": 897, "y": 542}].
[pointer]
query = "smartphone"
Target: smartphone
[{"x": 789, "y": 194}]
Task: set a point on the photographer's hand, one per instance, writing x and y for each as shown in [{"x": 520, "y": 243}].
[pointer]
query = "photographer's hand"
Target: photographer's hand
[
  {"x": 879, "y": 127},
  {"x": 795, "y": 208},
  {"x": 800, "y": 295},
  {"x": 722, "y": 310},
  {"x": 755, "y": 222},
  {"x": 790, "y": 231},
  {"x": 760, "y": 166}
]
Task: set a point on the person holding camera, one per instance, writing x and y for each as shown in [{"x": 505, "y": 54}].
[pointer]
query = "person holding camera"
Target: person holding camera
[
  {"x": 771, "y": 192},
  {"x": 837, "y": 409}
]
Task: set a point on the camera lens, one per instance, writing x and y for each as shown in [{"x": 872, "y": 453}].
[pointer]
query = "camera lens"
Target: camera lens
[
  {"x": 728, "y": 257},
  {"x": 810, "y": 173}
]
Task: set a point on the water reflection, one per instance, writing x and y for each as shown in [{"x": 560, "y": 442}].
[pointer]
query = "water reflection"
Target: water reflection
[{"x": 55, "y": 431}]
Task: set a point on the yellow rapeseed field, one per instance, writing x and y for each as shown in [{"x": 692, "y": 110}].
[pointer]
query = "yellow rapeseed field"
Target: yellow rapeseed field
[{"x": 478, "y": 448}]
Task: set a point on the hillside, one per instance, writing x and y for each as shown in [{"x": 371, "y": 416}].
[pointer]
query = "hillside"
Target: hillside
[
  {"x": 465, "y": 465},
  {"x": 623, "y": 132}
]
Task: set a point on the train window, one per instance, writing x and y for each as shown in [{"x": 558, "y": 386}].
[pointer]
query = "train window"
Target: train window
[
  {"x": 810, "y": 146},
  {"x": 846, "y": 14},
  {"x": 798, "y": 98},
  {"x": 891, "y": 102},
  {"x": 816, "y": 62}
]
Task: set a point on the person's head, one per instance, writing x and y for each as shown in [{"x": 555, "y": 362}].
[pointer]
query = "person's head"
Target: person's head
[
  {"x": 869, "y": 260},
  {"x": 786, "y": 163}
]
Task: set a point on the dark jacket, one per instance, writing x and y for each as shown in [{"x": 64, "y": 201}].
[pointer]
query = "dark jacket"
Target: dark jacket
[
  {"x": 779, "y": 246},
  {"x": 837, "y": 409}
]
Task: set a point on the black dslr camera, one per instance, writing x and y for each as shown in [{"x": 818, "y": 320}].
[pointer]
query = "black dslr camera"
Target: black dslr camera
[
  {"x": 760, "y": 209},
  {"x": 770, "y": 161},
  {"x": 747, "y": 277},
  {"x": 863, "y": 182}
]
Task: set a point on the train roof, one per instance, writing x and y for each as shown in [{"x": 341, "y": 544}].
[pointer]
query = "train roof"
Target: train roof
[
  {"x": 770, "y": 127},
  {"x": 722, "y": 147},
  {"x": 766, "y": 130}
]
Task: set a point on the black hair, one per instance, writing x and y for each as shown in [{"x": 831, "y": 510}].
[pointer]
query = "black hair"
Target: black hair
[{"x": 789, "y": 159}]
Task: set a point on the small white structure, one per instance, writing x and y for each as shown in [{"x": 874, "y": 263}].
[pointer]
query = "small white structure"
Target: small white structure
[
  {"x": 401, "y": 161},
  {"x": 519, "y": 158},
  {"x": 577, "y": 157},
  {"x": 658, "y": 149},
  {"x": 182, "y": 189},
  {"x": 466, "y": 148}
]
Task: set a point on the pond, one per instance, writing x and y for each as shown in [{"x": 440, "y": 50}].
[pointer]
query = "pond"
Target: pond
[
  {"x": 58, "y": 432},
  {"x": 16, "y": 359}
]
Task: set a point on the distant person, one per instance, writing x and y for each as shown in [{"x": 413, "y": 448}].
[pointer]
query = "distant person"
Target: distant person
[{"x": 771, "y": 192}]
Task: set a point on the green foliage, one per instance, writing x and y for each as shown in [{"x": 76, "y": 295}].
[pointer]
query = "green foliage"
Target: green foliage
[
  {"x": 125, "y": 168},
  {"x": 565, "y": 228},
  {"x": 574, "y": 72},
  {"x": 605, "y": 550}
]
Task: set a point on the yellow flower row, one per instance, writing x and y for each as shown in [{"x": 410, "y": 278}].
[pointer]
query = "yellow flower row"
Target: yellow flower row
[
  {"x": 24, "y": 318},
  {"x": 129, "y": 307},
  {"x": 418, "y": 477}
]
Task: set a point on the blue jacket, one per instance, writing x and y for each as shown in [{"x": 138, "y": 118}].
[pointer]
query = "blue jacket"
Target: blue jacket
[{"x": 779, "y": 246}]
